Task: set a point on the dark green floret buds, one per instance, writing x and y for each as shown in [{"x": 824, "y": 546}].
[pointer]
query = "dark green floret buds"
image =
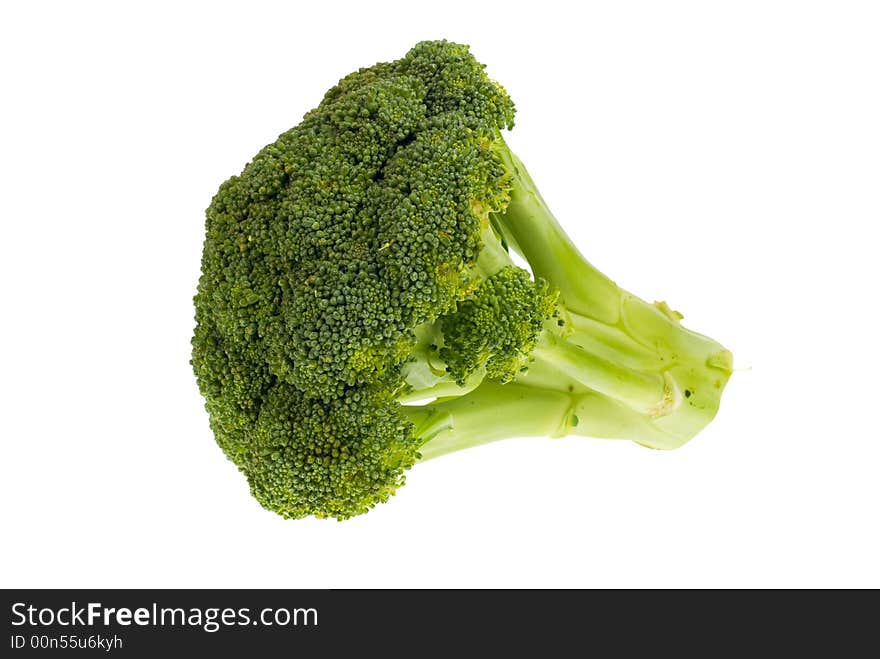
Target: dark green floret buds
[{"x": 359, "y": 310}]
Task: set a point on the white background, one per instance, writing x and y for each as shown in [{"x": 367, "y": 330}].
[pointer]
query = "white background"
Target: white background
[{"x": 724, "y": 157}]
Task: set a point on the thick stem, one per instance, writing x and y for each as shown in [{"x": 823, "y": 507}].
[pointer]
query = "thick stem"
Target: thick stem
[
  {"x": 613, "y": 365},
  {"x": 532, "y": 230},
  {"x": 568, "y": 391},
  {"x": 641, "y": 390},
  {"x": 660, "y": 398},
  {"x": 491, "y": 412},
  {"x": 499, "y": 411}
]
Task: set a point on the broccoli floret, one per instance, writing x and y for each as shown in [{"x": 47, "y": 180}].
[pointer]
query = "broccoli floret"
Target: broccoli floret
[
  {"x": 496, "y": 327},
  {"x": 359, "y": 311}
]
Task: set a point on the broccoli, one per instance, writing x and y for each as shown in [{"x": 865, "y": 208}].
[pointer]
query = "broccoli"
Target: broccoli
[{"x": 359, "y": 311}]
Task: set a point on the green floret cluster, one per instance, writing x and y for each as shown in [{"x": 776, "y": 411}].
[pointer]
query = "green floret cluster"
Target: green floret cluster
[
  {"x": 354, "y": 226},
  {"x": 361, "y": 263},
  {"x": 496, "y": 327}
]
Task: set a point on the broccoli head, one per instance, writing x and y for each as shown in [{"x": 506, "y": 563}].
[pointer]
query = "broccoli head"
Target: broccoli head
[{"x": 359, "y": 311}]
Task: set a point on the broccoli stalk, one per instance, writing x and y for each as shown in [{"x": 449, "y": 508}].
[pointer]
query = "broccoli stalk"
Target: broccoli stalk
[{"x": 607, "y": 364}]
